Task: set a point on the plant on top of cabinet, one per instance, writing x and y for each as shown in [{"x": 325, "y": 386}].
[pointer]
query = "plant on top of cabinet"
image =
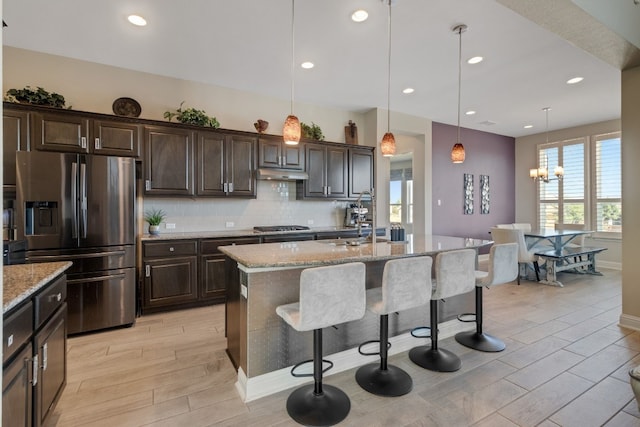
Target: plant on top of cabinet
[
  {"x": 193, "y": 117},
  {"x": 312, "y": 132},
  {"x": 38, "y": 96}
]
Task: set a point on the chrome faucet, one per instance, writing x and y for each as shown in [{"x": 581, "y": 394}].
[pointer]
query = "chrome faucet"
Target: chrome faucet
[{"x": 372, "y": 235}]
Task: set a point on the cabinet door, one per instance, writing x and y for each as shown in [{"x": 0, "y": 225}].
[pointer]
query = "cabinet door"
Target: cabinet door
[
  {"x": 60, "y": 132},
  {"x": 17, "y": 391},
  {"x": 210, "y": 171},
  {"x": 14, "y": 138},
  {"x": 241, "y": 166},
  {"x": 51, "y": 346},
  {"x": 360, "y": 172},
  {"x": 270, "y": 155},
  {"x": 116, "y": 139},
  {"x": 316, "y": 168},
  {"x": 293, "y": 156},
  {"x": 212, "y": 278},
  {"x": 168, "y": 161},
  {"x": 336, "y": 172},
  {"x": 170, "y": 281}
]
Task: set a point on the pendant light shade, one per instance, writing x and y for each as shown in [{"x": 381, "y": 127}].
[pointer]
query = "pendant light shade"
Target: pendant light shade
[
  {"x": 291, "y": 130},
  {"x": 388, "y": 144},
  {"x": 457, "y": 152}
]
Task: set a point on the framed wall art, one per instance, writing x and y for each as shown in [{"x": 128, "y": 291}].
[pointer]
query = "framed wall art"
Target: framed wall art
[
  {"x": 468, "y": 194},
  {"x": 484, "y": 194}
]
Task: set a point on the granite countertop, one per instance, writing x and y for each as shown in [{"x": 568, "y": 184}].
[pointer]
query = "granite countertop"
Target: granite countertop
[
  {"x": 237, "y": 233},
  {"x": 325, "y": 252},
  {"x": 23, "y": 280}
]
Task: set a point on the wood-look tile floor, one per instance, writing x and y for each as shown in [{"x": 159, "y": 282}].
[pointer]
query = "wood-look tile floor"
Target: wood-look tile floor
[{"x": 566, "y": 364}]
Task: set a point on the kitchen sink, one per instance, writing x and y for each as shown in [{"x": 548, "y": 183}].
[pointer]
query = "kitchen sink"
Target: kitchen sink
[{"x": 357, "y": 241}]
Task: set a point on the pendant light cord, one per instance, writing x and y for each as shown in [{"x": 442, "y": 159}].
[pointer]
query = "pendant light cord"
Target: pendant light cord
[
  {"x": 389, "y": 75},
  {"x": 293, "y": 14},
  {"x": 460, "y": 29}
]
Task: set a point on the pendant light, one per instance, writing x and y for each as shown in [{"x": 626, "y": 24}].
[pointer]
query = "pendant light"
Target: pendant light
[
  {"x": 542, "y": 172},
  {"x": 457, "y": 152},
  {"x": 291, "y": 128},
  {"x": 388, "y": 144}
]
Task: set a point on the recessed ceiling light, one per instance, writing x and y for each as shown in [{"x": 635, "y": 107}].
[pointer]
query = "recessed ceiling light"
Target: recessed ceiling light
[
  {"x": 307, "y": 65},
  {"x": 475, "y": 60},
  {"x": 408, "y": 90},
  {"x": 359, "y": 15},
  {"x": 575, "y": 80},
  {"x": 528, "y": 126},
  {"x": 137, "y": 20},
  {"x": 470, "y": 113}
]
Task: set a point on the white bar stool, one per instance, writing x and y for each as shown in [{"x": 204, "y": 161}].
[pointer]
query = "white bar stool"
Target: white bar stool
[
  {"x": 403, "y": 287},
  {"x": 329, "y": 296},
  {"x": 455, "y": 275},
  {"x": 503, "y": 268}
]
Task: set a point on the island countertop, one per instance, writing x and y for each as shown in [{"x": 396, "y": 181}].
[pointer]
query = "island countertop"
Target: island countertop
[
  {"x": 23, "y": 280},
  {"x": 325, "y": 252}
]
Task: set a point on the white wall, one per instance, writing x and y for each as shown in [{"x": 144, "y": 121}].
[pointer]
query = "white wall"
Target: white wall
[{"x": 526, "y": 158}]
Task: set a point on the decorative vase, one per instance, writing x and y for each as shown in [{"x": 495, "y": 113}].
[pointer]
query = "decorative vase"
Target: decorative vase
[
  {"x": 154, "y": 230},
  {"x": 634, "y": 375}
]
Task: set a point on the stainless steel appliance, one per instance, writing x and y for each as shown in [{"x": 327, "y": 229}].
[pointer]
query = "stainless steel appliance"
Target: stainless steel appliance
[
  {"x": 81, "y": 208},
  {"x": 355, "y": 215}
]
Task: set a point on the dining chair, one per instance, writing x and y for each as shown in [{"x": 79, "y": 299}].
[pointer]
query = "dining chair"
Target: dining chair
[
  {"x": 525, "y": 256},
  {"x": 577, "y": 241},
  {"x": 524, "y": 226}
]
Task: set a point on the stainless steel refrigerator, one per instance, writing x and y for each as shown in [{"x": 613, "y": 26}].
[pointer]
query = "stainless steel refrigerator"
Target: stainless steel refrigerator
[{"x": 81, "y": 208}]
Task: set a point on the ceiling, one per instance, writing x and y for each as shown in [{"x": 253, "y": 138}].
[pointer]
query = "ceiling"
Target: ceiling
[{"x": 246, "y": 45}]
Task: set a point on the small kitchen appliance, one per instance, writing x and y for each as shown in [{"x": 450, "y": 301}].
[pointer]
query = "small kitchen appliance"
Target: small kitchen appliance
[{"x": 354, "y": 215}]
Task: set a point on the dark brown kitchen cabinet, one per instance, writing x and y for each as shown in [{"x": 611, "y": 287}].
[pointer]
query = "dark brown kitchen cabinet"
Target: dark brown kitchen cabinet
[
  {"x": 71, "y": 132},
  {"x": 14, "y": 138},
  {"x": 213, "y": 284},
  {"x": 275, "y": 154},
  {"x": 168, "y": 161},
  {"x": 170, "y": 273},
  {"x": 327, "y": 168},
  {"x": 17, "y": 390},
  {"x": 361, "y": 176},
  {"x": 226, "y": 165}
]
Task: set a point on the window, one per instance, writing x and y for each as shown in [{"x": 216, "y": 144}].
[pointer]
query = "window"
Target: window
[
  {"x": 401, "y": 197},
  {"x": 572, "y": 200}
]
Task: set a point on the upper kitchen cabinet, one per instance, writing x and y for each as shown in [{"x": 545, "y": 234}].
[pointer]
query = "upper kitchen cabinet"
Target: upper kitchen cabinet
[
  {"x": 275, "y": 154},
  {"x": 14, "y": 138},
  {"x": 226, "y": 165},
  {"x": 82, "y": 133},
  {"x": 361, "y": 175},
  {"x": 327, "y": 168},
  {"x": 168, "y": 161}
]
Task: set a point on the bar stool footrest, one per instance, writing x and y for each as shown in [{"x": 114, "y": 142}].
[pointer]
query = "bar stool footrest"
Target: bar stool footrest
[
  {"x": 467, "y": 317},
  {"x": 375, "y": 353},
  {"x": 297, "y": 365},
  {"x": 325, "y": 409},
  {"x": 414, "y": 332}
]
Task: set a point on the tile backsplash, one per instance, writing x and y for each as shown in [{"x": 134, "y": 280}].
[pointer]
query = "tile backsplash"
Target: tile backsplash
[{"x": 276, "y": 204}]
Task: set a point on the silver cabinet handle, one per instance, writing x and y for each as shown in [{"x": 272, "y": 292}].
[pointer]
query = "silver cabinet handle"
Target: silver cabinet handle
[
  {"x": 328, "y": 190},
  {"x": 96, "y": 144},
  {"x": 45, "y": 349},
  {"x": 147, "y": 184},
  {"x": 34, "y": 368},
  {"x": 83, "y": 141},
  {"x": 57, "y": 297},
  {"x": 171, "y": 249},
  {"x": 147, "y": 270},
  {"x": 231, "y": 187},
  {"x": 225, "y": 187}
]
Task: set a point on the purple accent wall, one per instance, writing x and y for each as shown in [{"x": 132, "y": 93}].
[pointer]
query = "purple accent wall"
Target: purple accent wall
[{"x": 486, "y": 154}]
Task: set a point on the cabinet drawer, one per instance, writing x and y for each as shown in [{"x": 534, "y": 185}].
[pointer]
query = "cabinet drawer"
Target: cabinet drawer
[
  {"x": 17, "y": 329},
  {"x": 163, "y": 249},
  {"x": 48, "y": 301},
  {"x": 208, "y": 247}
]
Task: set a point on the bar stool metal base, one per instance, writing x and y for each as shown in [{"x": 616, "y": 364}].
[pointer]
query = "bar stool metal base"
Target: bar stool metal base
[
  {"x": 439, "y": 360},
  {"x": 481, "y": 342},
  {"x": 392, "y": 381},
  {"x": 325, "y": 409}
]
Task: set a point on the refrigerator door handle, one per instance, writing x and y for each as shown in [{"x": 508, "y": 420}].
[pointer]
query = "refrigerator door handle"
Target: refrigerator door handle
[
  {"x": 83, "y": 200},
  {"x": 96, "y": 279},
  {"x": 74, "y": 200}
]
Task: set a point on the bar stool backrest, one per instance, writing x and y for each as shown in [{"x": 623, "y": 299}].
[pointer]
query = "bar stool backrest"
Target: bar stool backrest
[
  {"x": 405, "y": 284},
  {"x": 331, "y": 295},
  {"x": 455, "y": 273},
  {"x": 503, "y": 264}
]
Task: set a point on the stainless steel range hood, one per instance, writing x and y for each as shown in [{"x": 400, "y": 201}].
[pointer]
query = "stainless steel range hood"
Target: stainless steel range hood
[{"x": 281, "y": 174}]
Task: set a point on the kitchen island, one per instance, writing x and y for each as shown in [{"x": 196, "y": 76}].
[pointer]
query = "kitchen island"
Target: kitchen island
[{"x": 262, "y": 277}]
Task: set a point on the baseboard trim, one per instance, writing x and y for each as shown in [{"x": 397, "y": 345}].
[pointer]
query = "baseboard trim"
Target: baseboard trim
[
  {"x": 630, "y": 322},
  {"x": 610, "y": 264},
  {"x": 263, "y": 385}
]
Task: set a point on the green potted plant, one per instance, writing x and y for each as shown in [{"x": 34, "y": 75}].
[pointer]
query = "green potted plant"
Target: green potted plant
[
  {"x": 154, "y": 217},
  {"x": 37, "y": 96},
  {"x": 312, "y": 132},
  {"x": 192, "y": 116}
]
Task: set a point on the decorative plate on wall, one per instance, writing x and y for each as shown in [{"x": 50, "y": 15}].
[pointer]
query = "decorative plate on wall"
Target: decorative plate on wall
[{"x": 128, "y": 107}]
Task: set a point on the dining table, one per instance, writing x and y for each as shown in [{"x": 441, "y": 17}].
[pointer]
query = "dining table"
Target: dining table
[{"x": 558, "y": 238}]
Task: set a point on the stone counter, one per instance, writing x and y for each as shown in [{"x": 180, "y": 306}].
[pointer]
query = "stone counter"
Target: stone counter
[
  {"x": 23, "y": 280},
  {"x": 241, "y": 233}
]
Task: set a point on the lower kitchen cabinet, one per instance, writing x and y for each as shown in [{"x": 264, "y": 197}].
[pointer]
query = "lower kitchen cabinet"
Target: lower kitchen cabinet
[{"x": 35, "y": 356}]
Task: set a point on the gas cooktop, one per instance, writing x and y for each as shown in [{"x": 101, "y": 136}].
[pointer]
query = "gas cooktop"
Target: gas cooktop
[{"x": 281, "y": 228}]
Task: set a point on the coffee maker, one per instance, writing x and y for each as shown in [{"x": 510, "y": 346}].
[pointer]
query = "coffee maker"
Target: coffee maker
[{"x": 354, "y": 215}]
